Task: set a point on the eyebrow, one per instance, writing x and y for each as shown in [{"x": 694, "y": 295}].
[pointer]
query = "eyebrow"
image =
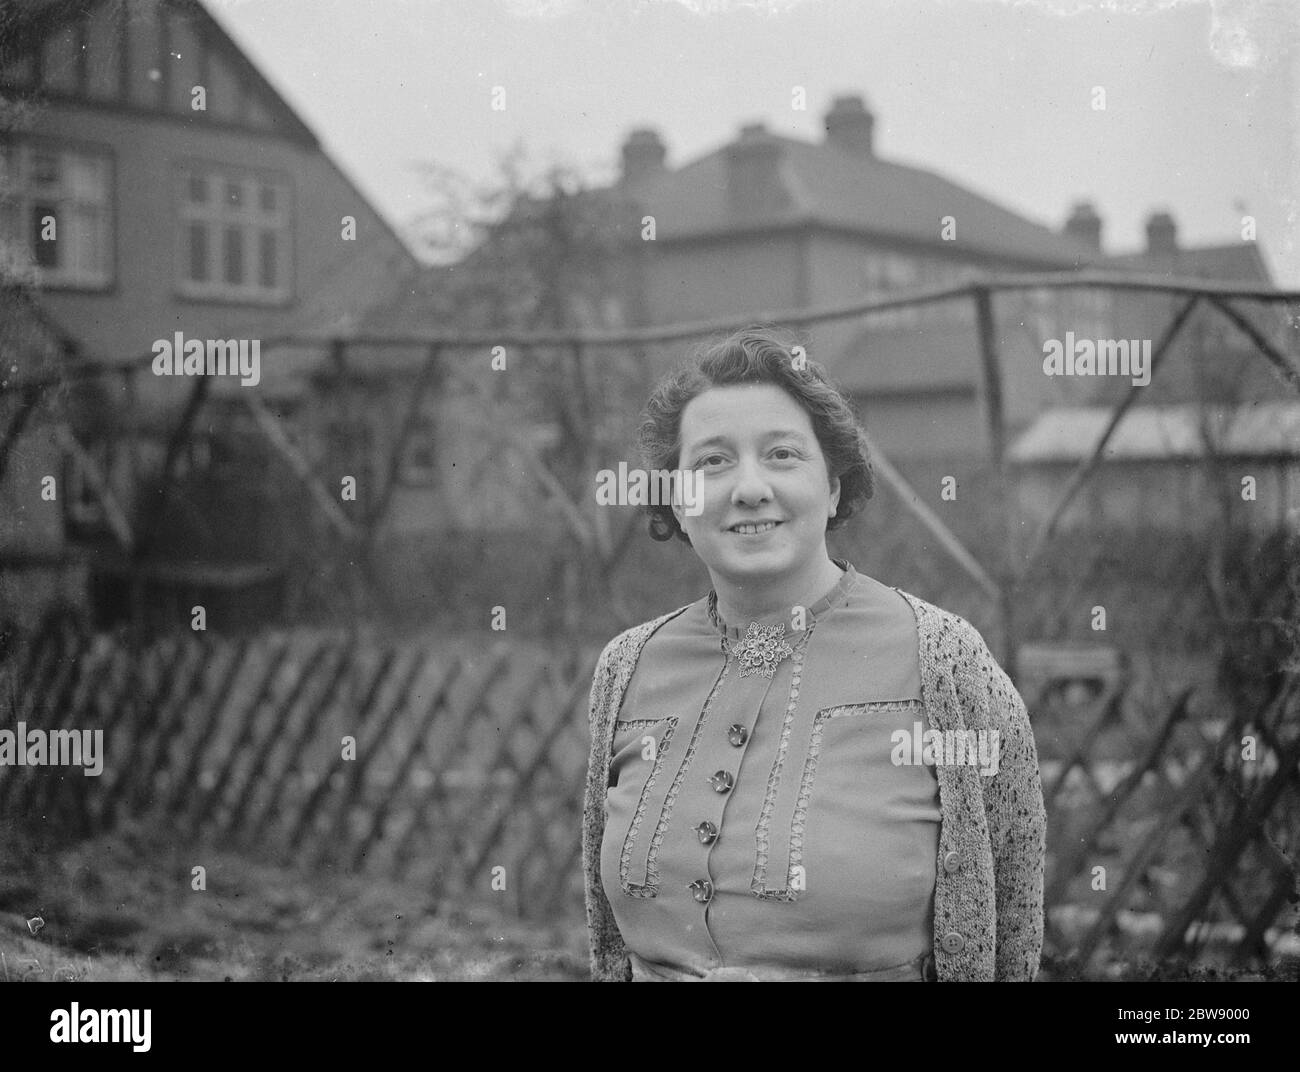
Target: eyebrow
[{"x": 781, "y": 433}]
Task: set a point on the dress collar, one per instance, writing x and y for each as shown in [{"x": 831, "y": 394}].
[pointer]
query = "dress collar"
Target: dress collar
[{"x": 834, "y": 598}]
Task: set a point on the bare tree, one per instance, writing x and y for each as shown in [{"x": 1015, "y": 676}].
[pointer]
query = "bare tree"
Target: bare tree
[{"x": 545, "y": 252}]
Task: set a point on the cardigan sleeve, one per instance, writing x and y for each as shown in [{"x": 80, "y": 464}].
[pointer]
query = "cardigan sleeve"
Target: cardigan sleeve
[
  {"x": 1017, "y": 823},
  {"x": 609, "y": 959}
]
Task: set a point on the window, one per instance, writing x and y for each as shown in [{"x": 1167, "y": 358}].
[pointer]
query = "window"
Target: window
[
  {"x": 55, "y": 213},
  {"x": 234, "y": 235},
  {"x": 884, "y": 272}
]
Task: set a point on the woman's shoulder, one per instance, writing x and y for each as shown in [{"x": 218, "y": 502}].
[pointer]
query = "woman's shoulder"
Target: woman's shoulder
[
  {"x": 950, "y": 645},
  {"x": 943, "y": 632},
  {"x": 616, "y": 663},
  {"x": 625, "y": 647}
]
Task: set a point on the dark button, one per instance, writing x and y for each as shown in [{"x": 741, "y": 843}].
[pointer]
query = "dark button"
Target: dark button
[
  {"x": 702, "y": 890},
  {"x": 737, "y": 734},
  {"x": 722, "y": 781},
  {"x": 708, "y": 832},
  {"x": 952, "y": 942},
  {"x": 951, "y": 862}
]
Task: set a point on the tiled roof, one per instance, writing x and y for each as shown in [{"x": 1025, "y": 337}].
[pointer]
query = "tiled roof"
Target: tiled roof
[
  {"x": 1238, "y": 261},
  {"x": 1160, "y": 433},
  {"x": 861, "y": 192}
]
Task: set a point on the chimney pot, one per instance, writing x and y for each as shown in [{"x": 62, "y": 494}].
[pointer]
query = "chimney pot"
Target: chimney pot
[
  {"x": 754, "y": 173},
  {"x": 1162, "y": 234},
  {"x": 849, "y": 125},
  {"x": 1085, "y": 225},
  {"x": 643, "y": 154}
]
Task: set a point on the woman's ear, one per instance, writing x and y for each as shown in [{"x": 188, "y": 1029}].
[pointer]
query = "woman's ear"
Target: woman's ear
[{"x": 835, "y": 496}]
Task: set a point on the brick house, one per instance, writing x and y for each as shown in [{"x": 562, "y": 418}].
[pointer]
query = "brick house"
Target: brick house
[{"x": 152, "y": 181}]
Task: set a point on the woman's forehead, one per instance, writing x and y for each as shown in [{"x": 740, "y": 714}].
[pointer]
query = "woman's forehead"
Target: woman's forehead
[{"x": 751, "y": 410}]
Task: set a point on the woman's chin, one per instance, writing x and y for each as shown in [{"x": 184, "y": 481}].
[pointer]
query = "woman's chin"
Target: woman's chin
[{"x": 738, "y": 563}]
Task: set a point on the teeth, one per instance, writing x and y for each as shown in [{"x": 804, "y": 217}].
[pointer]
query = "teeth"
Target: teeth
[{"x": 753, "y": 530}]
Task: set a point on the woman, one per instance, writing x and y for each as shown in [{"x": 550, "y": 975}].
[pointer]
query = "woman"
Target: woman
[{"x": 755, "y": 806}]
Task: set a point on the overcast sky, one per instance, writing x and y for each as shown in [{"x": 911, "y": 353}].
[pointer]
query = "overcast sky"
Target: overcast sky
[{"x": 1202, "y": 100}]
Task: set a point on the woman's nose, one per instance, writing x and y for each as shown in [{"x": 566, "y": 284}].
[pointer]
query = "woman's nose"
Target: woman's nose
[{"x": 751, "y": 485}]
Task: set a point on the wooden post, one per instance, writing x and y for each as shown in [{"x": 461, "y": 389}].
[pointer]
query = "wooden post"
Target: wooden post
[
  {"x": 995, "y": 416},
  {"x": 428, "y": 372}
]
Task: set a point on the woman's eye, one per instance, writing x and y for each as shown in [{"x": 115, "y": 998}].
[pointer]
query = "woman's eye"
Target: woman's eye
[
  {"x": 785, "y": 454},
  {"x": 710, "y": 459}
]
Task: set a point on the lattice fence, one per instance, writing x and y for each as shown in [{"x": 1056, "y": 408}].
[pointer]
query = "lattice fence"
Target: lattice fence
[
  {"x": 471, "y": 757},
  {"x": 1185, "y": 841},
  {"x": 464, "y": 761}
]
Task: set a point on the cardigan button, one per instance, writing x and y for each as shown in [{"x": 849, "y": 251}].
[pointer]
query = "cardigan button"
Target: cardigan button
[
  {"x": 952, "y": 862},
  {"x": 953, "y": 942},
  {"x": 722, "y": 781},
  {"x": 702, "y": 890},
  {"x": 708, "y": 832},
  {"x": 737, "y": 735}
]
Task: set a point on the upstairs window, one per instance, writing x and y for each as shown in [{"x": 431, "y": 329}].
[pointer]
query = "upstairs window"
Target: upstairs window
[
  {"x": 885, "y": 272},
  {"x": 56, "y": 214},
  {"x": 234, "y": 240}
]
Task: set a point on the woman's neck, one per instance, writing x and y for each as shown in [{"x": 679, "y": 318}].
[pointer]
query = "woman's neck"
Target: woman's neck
[{"x": 757, "y": 599}]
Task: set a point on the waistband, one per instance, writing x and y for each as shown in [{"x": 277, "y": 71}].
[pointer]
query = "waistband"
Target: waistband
[{"x": 919, "y": 969}]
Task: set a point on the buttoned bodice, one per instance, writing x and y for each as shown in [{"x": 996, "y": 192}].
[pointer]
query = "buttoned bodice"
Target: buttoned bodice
[{"x": 761, "y": 822}]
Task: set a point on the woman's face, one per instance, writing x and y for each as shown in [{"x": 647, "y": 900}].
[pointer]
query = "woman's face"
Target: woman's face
[{"x": 767, "y": 492}]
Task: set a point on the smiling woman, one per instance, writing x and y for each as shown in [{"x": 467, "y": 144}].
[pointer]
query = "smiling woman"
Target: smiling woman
[{"x": 747, "y": 815}]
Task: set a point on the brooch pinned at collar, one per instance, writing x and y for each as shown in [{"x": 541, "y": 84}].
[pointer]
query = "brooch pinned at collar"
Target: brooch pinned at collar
[{"x": 761, "y": 650}]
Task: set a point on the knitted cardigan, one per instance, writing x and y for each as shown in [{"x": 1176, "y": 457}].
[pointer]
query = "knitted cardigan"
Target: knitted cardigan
[{"x": 988, "y": 908}]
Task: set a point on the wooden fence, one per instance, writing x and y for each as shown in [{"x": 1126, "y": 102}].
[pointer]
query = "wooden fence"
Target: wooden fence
[
  {"x": 1188, "y": 834},
  {"x": 471, "y": 757},
  {"x": 463, "y": 760}
]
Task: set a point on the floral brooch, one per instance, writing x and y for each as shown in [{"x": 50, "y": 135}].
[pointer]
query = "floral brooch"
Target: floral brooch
[{"x": 761, "y": 649}]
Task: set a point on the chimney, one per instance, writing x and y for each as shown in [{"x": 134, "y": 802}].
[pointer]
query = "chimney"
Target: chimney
[
  {"x": 643, "y": 154},
  {"x": 1085, "y": 225},
  {"x": 1162, "y": 235},
  {"x": 849, "y": 125},
  {"x": 753, "y": 173}
]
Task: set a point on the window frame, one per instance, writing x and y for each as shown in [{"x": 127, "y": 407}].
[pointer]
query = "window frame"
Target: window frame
[
  {"x": 251, "y": 220},
  {"x": 23, "y": 147}
]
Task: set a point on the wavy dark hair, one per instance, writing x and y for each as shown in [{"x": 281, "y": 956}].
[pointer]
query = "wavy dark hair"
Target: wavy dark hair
[{"x": 757, "y": 354}]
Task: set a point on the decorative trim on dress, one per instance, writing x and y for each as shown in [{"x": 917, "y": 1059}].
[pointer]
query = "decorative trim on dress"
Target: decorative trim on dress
[
  {"x": 651, "y": 885},
  {"x": 800, "y": 817},
  {"x": 758, "y": 884},
  {"x": 625, "y": 858}
]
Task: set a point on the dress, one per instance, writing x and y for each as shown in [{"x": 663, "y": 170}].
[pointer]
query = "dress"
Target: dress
[
  {"x": 759, "y": 822},
  {"x": 825, "y": 853}
]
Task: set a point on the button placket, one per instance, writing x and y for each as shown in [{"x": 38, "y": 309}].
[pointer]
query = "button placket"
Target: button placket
[{"x": 720, "y": 768}]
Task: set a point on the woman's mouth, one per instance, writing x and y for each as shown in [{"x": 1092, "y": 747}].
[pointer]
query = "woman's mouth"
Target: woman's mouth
[{"x": 753, "y": 528}]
